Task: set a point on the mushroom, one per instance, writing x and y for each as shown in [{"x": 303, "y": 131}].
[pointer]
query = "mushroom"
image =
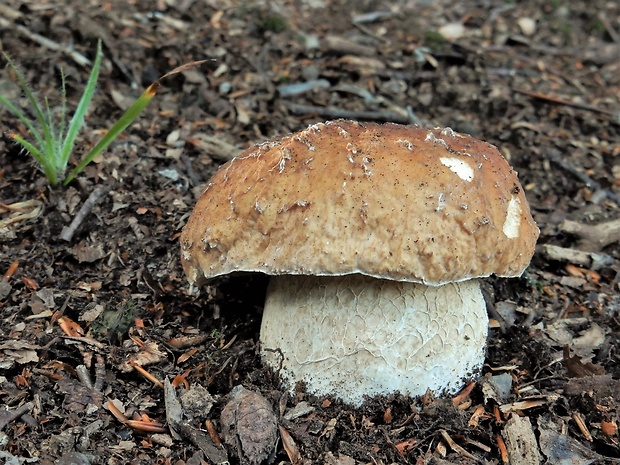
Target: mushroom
[{"x": 375, "y": 237}]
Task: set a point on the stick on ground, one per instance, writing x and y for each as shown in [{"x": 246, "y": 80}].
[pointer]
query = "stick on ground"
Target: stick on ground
[
  {"x": 594, "y": 237},
  {"x": 93, "y": 198}
]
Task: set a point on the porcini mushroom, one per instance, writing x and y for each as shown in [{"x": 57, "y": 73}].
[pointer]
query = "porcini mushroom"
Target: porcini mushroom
[{"x": 375, "y": 237}]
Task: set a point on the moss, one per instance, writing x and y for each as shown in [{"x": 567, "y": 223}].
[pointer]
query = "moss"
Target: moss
[
  {"x": 271, "y": 22},
  {"x": 114, "y": 322},
  {"x": 434, "y": 40}
]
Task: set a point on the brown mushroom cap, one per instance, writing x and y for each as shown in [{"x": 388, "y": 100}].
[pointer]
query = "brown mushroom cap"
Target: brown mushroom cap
[{"x": 390, "y": 201}]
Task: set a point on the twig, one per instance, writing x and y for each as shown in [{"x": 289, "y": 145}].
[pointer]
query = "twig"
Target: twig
[
  {"x": 591, "y": 260},
  {"x": 593, "y": 236},
  {"x": 100, "y": 374},
  {"x": 334, "y": 113},
  {"x": 38, "y": 38},
  {"x": 554, "y": 156},
  {"x": 560, "y": 101},
  {"x": 214, "y": 147},
  {"x": 455, "y": 447},
  {"x": 93, "y": 198},
  {"x": 9, "y": 12},
  {"x": 7, "y": 416},
  {"x": 609, "y": 28},
  {"x": 372, "y": 16},
  {"x": 369, "y": 32},
  {"x": 189, "y": 169},
  {"x": 84, "y": 376}
]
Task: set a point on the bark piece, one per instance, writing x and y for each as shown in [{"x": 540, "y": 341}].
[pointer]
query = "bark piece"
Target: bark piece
[
  {"x": 520, "y": 441},
  {"x": 563, "y": 450}
]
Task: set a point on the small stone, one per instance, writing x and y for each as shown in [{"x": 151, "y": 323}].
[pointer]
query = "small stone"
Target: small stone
[
  {"x": 197, "y": 402},
  {"x": 300, "y": 410},
  {"x": 497, "y": 388},
  {"x": 527, "y": 26},
  {"x": 162, "y": 439},
  {"x": 452, "y": 31}
]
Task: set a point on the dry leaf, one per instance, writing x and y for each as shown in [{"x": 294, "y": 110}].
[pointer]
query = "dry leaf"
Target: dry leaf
[
  {"x": 577, "y": 369},
  {"x": 181, "y": 379},
  {"x": 85, "y": 253},
  {"x": 20, "y": 351},
  {"x": 186, "y": 356},
  {"x": 70, "y": 327},
  {"x": 148, "y": 354},
  {"x": 405, "y": 446},
  {"x": 290, "y": 447},
  {"x": 183, "y": 342}
]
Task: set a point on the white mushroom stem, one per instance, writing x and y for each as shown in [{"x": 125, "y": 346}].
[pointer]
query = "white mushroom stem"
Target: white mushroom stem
[{"x": 354, "y": 336}]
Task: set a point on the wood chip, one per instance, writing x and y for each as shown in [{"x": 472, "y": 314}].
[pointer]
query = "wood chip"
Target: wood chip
[
  {"x": 455, "y": 447},
  {"x": 364, "y": 66},
  {"x": 581, "y": 424},
  {"x": 521, "y": 445},
  {"x": 529, "y": 403}
]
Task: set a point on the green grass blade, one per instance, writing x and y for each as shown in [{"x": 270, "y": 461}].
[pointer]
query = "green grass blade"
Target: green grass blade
[
  {"x": 54, "y": 145},
  {"x": 62, "y": 124},
  {"x": 24, "y": 119},
  {"x": 44, "y": 162},
  {"x": 78, "y": 117},
  {"x": 47, "y": 142},
  {"x": 128, "y": 117}
]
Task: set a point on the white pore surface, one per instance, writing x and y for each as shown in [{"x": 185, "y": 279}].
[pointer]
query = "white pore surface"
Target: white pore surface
[{"x": 355, "y": 336}]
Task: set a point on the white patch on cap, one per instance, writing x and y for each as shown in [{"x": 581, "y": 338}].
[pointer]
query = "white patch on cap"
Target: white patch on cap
[
  {"x": 430, "y": 137},
  {"x": 353, "y": 149},
  {"x": 304, "y": 140},
  {"x": 513, "y": 218},
  {"x": 447, "y": 132},
  {"x": 441, "y": 202},
  {"x": 313, "y": 129},
  {"x": 462, "y": 169},
  {"x": 259, "y": 208},
  {"x": 285, "y": 155},
  {"x": 405, "y": 143}
]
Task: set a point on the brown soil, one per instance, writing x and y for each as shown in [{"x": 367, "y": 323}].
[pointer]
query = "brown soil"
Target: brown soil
[{"x": 540, "y": 80}]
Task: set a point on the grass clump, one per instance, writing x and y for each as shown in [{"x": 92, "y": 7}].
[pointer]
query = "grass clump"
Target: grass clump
[{"x": 53, "y": 139}]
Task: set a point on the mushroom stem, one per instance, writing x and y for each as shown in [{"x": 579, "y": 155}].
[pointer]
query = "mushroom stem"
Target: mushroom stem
[{"x": 354, "y": 336}]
